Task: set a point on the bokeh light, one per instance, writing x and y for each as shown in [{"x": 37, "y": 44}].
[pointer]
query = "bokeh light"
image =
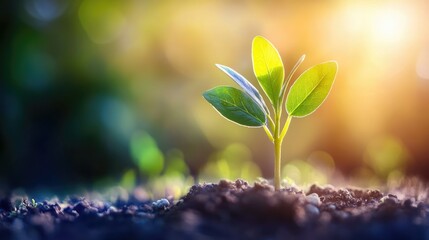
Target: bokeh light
[
  {"x": 109, "y": 92},
  {"x": 233, "y": 162},
  {"x": 147, "y": 155}
]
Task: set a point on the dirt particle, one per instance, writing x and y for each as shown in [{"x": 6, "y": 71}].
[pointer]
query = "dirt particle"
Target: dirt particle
[
  {"x": 312, "y": 210},
  {"x": 314, "y": 199},
  {"x": 161, "y": 204}
]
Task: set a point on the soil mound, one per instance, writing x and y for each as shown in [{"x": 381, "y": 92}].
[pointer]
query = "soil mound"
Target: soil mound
[{"x": 227, "y": 210}]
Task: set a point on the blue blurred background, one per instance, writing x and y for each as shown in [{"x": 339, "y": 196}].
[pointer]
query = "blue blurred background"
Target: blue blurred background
[{"x": 97, "y": 93}]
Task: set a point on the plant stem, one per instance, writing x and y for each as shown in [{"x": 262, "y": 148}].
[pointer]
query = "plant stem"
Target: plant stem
[
  {"x": 278, "y": 140},
  {"x": 271, "y": 122},
  {"x": 286, "y": 127},
  {"x": 277, "y": 163},
  {"x": 267, "y": 131},
  {"x": 277, "y": 150}
]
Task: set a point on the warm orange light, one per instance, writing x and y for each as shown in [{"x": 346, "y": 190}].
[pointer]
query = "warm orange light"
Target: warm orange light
[{"x": 390, "y": 25}]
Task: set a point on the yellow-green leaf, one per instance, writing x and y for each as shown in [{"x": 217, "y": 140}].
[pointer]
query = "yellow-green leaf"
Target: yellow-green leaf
[
  {"x": 311, "y": 89},
  {"x": 268, "y": 68}
]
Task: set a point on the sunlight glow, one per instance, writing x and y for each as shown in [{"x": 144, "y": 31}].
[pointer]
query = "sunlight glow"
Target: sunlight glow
[
  {"x": 378, "y": 25},
  {"x": 390, "y": 25}
]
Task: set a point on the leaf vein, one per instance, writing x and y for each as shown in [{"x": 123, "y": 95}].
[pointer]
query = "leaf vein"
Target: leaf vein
[{"x": 312, "y": 90}]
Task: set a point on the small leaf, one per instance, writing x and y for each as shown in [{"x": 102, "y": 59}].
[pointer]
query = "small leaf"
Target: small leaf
[
  {"x": 245, "y": 85},
  {"x": 236, "y": 106},
  {"x": 268, "y": 68},
  {"x": 286, "y": 84},
  {"x": 311, "y": 89}
]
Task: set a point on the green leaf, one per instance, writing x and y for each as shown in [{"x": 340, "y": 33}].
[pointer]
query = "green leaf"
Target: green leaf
[
  {"x": 245, "y": 85},
  {"x": 268, "y": 68},
  {"x": 236, "y": 106},
  {"x": 311, "y": 89}
]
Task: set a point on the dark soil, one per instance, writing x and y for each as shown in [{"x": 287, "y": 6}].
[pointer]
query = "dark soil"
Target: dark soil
[{"x": 227, "y": 210}]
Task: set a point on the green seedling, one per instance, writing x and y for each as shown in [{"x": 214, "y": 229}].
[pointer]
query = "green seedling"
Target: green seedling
[{"x": 246, "y": 107}]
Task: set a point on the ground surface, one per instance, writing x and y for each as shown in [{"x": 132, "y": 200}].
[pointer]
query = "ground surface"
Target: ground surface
[{"x": 227, "y": 210}]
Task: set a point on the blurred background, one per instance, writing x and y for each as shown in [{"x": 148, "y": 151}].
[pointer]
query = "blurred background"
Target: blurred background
[{"x": 96, "y": 93}]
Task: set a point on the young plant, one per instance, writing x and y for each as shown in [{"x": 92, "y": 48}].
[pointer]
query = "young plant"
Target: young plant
[{"x": 246, "y": 107}]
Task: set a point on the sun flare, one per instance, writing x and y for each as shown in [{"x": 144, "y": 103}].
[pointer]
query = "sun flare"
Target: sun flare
[{"x": 390, "y": 25}]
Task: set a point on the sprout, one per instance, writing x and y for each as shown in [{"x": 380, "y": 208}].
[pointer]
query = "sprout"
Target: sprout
[{"x": 246, "y": 107}]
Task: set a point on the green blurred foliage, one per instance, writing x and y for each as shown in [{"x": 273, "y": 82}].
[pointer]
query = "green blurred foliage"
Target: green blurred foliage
[
  {"x": 303, "y": 174},
  {"x": 386, "y": 154},
  {"x": 103, "y": 21},
  {"x": 147, "y": 155},
  {"x": 233, "y": 162}
]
